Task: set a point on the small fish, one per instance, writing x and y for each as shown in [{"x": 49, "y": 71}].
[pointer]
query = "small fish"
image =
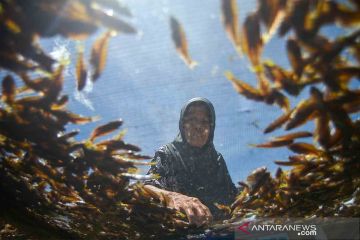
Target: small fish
[
  {"x": 135, "y": 156},
  {"x": 224, "y": 208},
  {"x": 295, "y": 56},
  {"x": 275, "y": 143},
  {"x": 272, "y": 13},
  {"x": 179, "y": 38},
  {"x": 290, "y": 163},
  {"x": 303, "y": 112},
  {"x": 105, "y": 129},
  {"x": 257, "y": 178},
  {"x": 81, "y": 71},
  {"x": 99, "y": 55},
  {"x": 275, "y": 96},
  {"x": 69, "y": 135},
  {"x": 343, "y": 122},
  {"x": 244, "y": 88},
  {"x": 304, "y": 148},
  {"x": 278, "y": 122},
  {"x": 251, "y": 41},
  {"x": 231, "y": 22},
  {"x": 322, "y": 119},
  {"x": 283, "y": 79},
  {"x": 292, "y": 136},
  {"x": 61, "y": 103},
  {"x": 322, "y": 129},
  {"x": 118, "y": 145},
  {"x": 57, "y": 81},
  {"x": 65, "y": 116},
  {"x": 40, "y": 84},
  {"x": 8, "y": 89},
  {"x": 264, "y": 84}
]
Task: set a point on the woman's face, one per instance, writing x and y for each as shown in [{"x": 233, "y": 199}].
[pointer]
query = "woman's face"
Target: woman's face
[{"x": 196, "y": 126}]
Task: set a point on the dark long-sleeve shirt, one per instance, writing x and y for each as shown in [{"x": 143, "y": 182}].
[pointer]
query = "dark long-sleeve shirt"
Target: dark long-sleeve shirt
[{"x": 206, "y": 178}]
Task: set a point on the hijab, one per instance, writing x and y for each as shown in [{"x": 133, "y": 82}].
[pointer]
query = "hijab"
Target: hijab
[{"x": 194, "y": 156}]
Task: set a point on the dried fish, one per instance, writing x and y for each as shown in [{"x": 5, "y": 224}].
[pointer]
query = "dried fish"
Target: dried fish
[
  {"x": 303, "y": 112},
  {"x": 8, "y": 89},
  {"x": 295, "y": 56},
  {"x": 105, "y": 129},
  {"x": 278, "y": 122},
  {"x": 251, "y": 40},
  {"x": 231, "y": 24},
  {"x": 244, "y": 88},
  {"x": 179, "y": 39},
  {"x": 271, "y": 12},
  {"x": 99, "y": 55},
  {"x": 275, "y": 143},
  {"x": 304, "y": 148},
  {"x": 81, "y": 71}
]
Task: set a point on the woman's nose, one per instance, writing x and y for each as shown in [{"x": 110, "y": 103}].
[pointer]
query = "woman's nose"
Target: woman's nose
[{"x": 198, "y": 126}]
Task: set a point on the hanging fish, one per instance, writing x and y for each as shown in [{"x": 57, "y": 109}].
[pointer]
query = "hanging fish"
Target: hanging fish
[
  {"x": 292, "y": 136},
  {"x": 179, "y": 38},
  {"x": 251, "y": 41},
  {"x": 294, "y": 56},
  {"x": 99, "y": 55},
  {"x": 118, "y": 145},
  {"x": 69, "y": 135},
  {"x": 322, "y": 119},
  {"x": 271, "y": 13},
  {"x": 65, "y": 116},
  {"x": 39, "y": 84},
  {"x": 61, "y": 103},
  {"x": 275, "y": 143},
  {"x": 57, "y": 81},
  {"x": 305, "y": 148},
  {"x": 275, "y": 96},
  {"x": 278, "y": 122},
  {"x": 105, "y": 129},
  {"x": 282, "y": 78},
  {"x": 284, "y": 163},
  {"x": 8, "y": 89},
  {"x": 303, "y": 112},
  {"x": 244, "y": 88},
  {"x": 231, "y": 24},
  {"x": 81, "y": 71}
]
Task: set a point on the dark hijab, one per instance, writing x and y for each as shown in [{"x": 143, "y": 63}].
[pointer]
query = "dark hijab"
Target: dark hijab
[{"x": 189, "y": 154}]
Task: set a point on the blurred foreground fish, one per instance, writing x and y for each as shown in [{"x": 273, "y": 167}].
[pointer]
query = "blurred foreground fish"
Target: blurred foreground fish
[
  {"x": 81, "y": 72},
  {"x": 99, "y": 55},
  {"x": 231, "y": 24},
  {"x": 8, "y": 89},
  {"x": 271, "y": 13},
  {"x": 251, "y": 39},
  {"x": 179, "y": 38},
  {"x": 105, "y": 129}
]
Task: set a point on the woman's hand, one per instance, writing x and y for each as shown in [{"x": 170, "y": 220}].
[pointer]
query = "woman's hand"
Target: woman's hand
[{"x": 196, "y": 212}]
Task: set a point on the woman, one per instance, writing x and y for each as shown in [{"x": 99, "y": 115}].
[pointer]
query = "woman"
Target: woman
[{"x": 193, "y": 175}]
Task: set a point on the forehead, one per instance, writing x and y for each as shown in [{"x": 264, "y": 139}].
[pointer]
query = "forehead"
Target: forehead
[{"x": 197, "y": 109}]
